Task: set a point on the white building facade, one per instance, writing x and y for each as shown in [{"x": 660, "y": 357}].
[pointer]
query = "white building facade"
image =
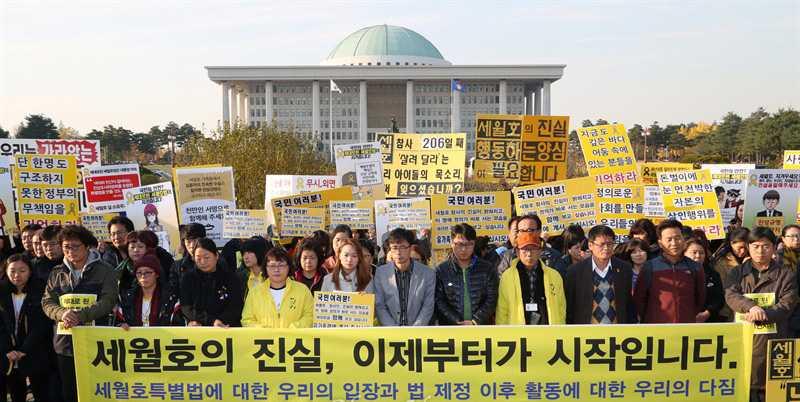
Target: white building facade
[{"x": 384, "y": 72}]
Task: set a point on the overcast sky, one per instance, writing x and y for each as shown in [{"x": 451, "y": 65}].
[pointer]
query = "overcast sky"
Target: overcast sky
[{"x": 141, "y": 63}]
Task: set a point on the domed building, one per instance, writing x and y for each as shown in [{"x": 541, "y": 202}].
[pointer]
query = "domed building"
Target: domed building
[{"x": 383, "y": 73}]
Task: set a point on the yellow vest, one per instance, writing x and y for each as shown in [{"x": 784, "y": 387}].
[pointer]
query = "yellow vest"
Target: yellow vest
[
  {"x": 297, "y": 307},
  {"x": 510, "y": 309}
]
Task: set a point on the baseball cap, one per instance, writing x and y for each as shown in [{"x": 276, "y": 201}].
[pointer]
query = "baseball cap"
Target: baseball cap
[{"x": 528, "y": 239}]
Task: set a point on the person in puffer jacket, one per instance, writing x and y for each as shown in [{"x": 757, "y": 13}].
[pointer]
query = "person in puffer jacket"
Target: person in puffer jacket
[
  {"x": 466, "y": 286},
  {"x": 82, "y": 277},
  {"x": 149, "y": 302}
]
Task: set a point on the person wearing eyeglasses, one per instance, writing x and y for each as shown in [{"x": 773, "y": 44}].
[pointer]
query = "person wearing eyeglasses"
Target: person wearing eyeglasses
[
  {"x": 83, "y": 277},
  {"x": 530, "y": 223},
  {"x": 279, "y": 302},
  {"x": 150, "y": 304},
  {"x": 211, "y": 295},
  {"x": 466, "y": 286},
  {"x": 404, "y": 289},
  {"x": 789, "y": 257},
  {"x": 671, "y": 288},
  {"x": 530, "y": 292},
  {"x": 598, "y": 289}
]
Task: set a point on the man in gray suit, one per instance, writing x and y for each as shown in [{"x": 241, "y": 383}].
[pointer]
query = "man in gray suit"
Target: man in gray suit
[{"x": 404, "y": 288}]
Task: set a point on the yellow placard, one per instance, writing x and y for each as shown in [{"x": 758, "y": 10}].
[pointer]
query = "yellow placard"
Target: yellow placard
[
  {"x": 75, "y": 301},
  {"x": 558, "y": 204},
  {"x": 423, "y": 164},
  {"x": 791, "y": 159},
  {"x": 497, "y": 146},
  {"x": 543, "y": 149},
  {"x": 608, "y": 154},
  {"x": 356, "y": 214},
  {"x": 689, "y": 197},
  {"x": 762, "y": 300},
  {"x": 649, "y": 171},
  {"x": 783, "y": 370},
  {"x": 343, "y": 309},
  {"x": 487, "y": 212},
  {"x": 97, "y": 224},
  {"x": 618, "y": 207},
  {"x": 301, "y": 222},
  {"x": 693, "y": 362},
  {"x": 244, "y": 223},
  {"x": 47, "y": 189},
  {"x": 320, "y": 198}
]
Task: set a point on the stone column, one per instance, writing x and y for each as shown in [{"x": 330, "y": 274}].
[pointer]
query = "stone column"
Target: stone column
[
  {"x": 243, "y": 112},
  {"x": 503, "y": 95},
  {"x": 362, "y": 111},
  {"x": 234, "y": 105},
  {"x": 226, "y": 111},
  {"x": 455, "y": 110},
  {"x": 315, "y": 116},
  {"x": 410, "y": 107},
  {"x": 268, "y": 102},
  {"x": 537, "y": 104},
  {"x": 546, "y": 98}
]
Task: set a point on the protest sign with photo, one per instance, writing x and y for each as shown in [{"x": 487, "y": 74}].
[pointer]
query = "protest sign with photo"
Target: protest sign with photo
[
  {"x": 356, "y": 214},
  {"x": 487, "y": 212},
  {"x": 689, "y": 197},
  {"x": 203, "y": 195},
  {"x": 47, "y": 189},
  {"x": 558, "y": 204},
  {"x": 410, "y": 213},
  {"x": 153, "y": 208},
  {"x": 772, "y": 198},
  {"x": 730, "y": 183},
  {"x": 104, "y": 186},
  {"x": 361, "y": 166},
  {"x": 497, "y": 148},
  {"x": 244, "y": 223},
  {"x": 543, "y": 149},
  {"x": 423, "y": 164},
  {"x": 343, "y": 309},
  {"x": 608, "y": 154}
]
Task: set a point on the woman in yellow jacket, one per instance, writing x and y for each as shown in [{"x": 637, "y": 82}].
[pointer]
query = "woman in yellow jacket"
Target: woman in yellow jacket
[
  {"x": 279, "y": 302},
  {"x": 518, "y": 307}
]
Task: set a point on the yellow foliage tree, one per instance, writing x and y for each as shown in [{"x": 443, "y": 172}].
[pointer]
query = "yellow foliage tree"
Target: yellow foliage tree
[{"x": 254, "y": 153}]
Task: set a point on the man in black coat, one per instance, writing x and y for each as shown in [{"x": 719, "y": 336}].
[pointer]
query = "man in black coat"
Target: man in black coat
[{"x": 598, "y": 289}]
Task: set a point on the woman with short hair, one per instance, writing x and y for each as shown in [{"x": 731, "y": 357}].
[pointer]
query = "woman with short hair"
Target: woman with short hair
[
  {"x": 210, "y": 294},
  {"x": 279, "y": 302}
]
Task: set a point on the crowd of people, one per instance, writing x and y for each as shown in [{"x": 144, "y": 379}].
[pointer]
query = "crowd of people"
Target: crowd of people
[{"x": 665, "y": 273}]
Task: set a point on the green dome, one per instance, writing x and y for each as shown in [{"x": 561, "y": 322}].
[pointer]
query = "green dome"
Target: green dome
[{"x": 385, "y": 44}]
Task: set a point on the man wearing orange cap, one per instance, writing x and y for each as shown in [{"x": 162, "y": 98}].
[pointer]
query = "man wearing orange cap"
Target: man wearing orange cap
[{"x": 531, "y": 293}]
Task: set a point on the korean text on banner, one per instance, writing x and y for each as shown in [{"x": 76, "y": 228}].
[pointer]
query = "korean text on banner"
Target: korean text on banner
[
  {"x": 343, "y": 309},
  {"x": 783, "y": 369},
  {"x": 361, "y": 166},
  {"x": 791, "y": 159},
  {"x": 487, "y": 212},
  {"x": 423, "y": 164},
  {"x": 7, "y": 205},
  {"x": 649, "y": 171},
  {"x": 86, "y": 152},
  {"x": 608, "y": 154},
  {"x": 356, "y": 214},
  {"x": 244, "y": 223},
  {"x": 497, "y": 146},
  {"x": 301, "y": 222},
  {"x": 653, "y": 204},
  {"x": 410, "y": 213},
  {"x": 104, "y": 186},
  {"x": 575, "y": 362},
  {"x": 558, "y": 204},
  {"x": 312, "y": 199},
  {"x": 153, "y": 208},
  {"x": 689, "y": 197},
  {"x": 203, "y": 196},
  {"x": 543, "y": 150},
  {"x": 47, "y": 189},
  {"x": 283, "y": 185},
  {"x": 772, "y": 198},
  {"x": 97, "y": 224},
  {"x": 618, "y": 207}
]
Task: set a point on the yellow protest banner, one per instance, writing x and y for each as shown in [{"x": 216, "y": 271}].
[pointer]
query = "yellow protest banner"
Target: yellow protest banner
[
  {"x": 543, "y": 150},
  {"x": 423, "y": 164},
  {"x": 791, "y": 159},
  {"x": 762, "y": 300},
  {"x": 558, "y": 204},
  {"x": 75, "y": 301},
  {"x": 783, "y": 370},
  {"x": 47, "y": 189},
  {"x": 618, "y": 207},
  {"x": 301, "y": 222},
  {"x": 497, "y": 146},
  {"x": 320, "y": 198},
  {"x": 661, "y": 363},
  {"x": 244, "y": 223},
  {"x": 97, "y": 224},
  {"x": 608, "y": 154},
  {"x": 689, "y": 197},
  {"x": 649, "y": 171},
  {"x": 343, "y": 309},
  {"x": 487, "y": 212},
  {"x": 356, "y": 214}
]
